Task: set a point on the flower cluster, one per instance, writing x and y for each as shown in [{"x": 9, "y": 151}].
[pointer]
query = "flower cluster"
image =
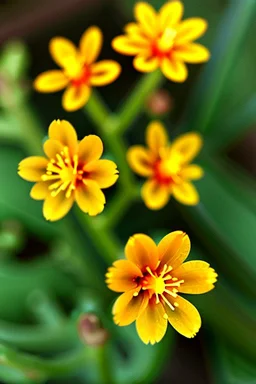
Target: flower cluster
[
  {"x": 152, "y": 279},
  {"x": 167, "y": 166}
]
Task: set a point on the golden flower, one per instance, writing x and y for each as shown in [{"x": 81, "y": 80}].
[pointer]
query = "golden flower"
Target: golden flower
[
  {"x": 152, "y": 278},
  {"x": 71, "y": 171},
  {"x": 79, "y": 71},
  {"x": 167, "y": 166},
  {"x": 162, "y": 40}
]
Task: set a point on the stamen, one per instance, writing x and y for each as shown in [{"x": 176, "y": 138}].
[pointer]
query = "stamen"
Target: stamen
[
  {"x": 171, "y": 293},
  {"x": 167, "y": 302},
  {"x": 150, "y": 272}
]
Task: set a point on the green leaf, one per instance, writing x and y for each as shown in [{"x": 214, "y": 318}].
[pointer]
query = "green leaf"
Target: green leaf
[
  {"x": 14, "y": 60},
  {"x": 225, "y": 221}
]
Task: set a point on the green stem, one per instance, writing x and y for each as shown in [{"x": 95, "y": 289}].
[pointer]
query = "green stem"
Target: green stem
[
  {"x": 42, "y": 368},
  {"x": 133, "y": 106},
  {"x": 105, "y": 371}
]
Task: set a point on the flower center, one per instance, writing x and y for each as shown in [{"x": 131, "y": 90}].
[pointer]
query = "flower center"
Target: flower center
[
  {"x": 166, "y": 170},
  {"x": 83, "y": 77},
  {"x": 77, "y": 72},
  {"x": 162, "y": 285},
  {"x": 65, "y": 172},
  {"x": 163, "y": 45}
]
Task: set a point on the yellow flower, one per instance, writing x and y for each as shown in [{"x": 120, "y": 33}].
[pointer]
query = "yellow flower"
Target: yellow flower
[
  {"x": 79, "y": 72},
  {"x": 163, "y": 40},
  {"x": 152, "y": 279},
  {"x": 71, "y": 171},
  {"x": 167, "y": 167}
]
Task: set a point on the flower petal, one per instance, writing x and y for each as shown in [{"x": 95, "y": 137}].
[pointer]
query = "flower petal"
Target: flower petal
[
  {"x": 32, "y": 168},
  {"x": 61, "y": 50},
  {"x": 128, "y": 307},
  {"x": 170, "y": 14},
  {"x": 174, "y": 70},
  {"x": 90, "y": 148},
  {"x": 191, "y": 53},
  {"x": 156, "y": 136},
  {"x": 185, "y": 318},
  {"x": 52, "y": 147},
  {"x": 75, "y": 98},
  {"x": 142, "y": 251},
  {"x": 145, "y": 63},
  {"x": 190, "y": 29},
  {"x": 121, "y": 276},
  {"x": 55, "y": 208},
  {"x": 197, "y": 275},
  {"x": 104, "y": 72},
  {"x": 151, "y": 325},
  {"x": 174, "y": 248},
  {"x": 40, "y": 190},
  {"x": 127, "y": 46},
  {"x": 188, "y": 145},
  {"x": 104, "y": 172},
  {"x": 91, "y": 44},
  {"x": 51, "y": 81},
  {"x": 192, "y": 172},
  {"x": 154, "y": 195},
  {"x": 90, "y": 198},
  {"x": 186, "y": 193},
  {"x": 64, "y": 132},
  {"x": 140, "y": 160},
  {"x": 147, "y": 17}
]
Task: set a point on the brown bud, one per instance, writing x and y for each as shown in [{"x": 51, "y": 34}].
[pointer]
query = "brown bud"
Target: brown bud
[
  {"x": 91, "y": 331},
  {"x": 160, "y": 102}
]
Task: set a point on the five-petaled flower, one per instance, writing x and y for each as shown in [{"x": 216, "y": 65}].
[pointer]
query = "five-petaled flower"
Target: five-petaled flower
[
  {"x": 152, "y": 279},
  {"x": 162, "y": 40},
  {"x": 72, "y": 171},
  {"x": 79, "y": 71},
  {"x": 167, "y": 166}
]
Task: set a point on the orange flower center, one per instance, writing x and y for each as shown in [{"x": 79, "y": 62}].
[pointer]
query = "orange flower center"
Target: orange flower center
[
  {"x": 161, "y": 284},
  {"x": 163, "y": 45},
  {"x": 65, "y": 172}
]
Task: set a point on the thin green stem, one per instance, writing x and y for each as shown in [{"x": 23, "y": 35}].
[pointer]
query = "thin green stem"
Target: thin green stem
[
  {"x": 133, "y": 106},
  {"x": 104, "y": 365}
]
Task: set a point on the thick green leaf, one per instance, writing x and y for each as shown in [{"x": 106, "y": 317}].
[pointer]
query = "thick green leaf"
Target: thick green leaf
[{"x": 225, "y": 222}]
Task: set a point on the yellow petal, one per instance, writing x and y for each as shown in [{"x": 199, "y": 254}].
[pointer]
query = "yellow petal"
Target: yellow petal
[
  {"x": 190, "y": 29},
  {"x": 188, "y": 145},
  {"x": 136, "y": 35},
  {"x": 185, "y": 318},
  {"x": 128, "y": 307},
  {"x": 90, "y": 148},
  {"x": 191, "y": 53},
  {"x": 121, "y": 277},
  {"x": 192, "y": 172},
  {"x": 151, "y": 324},
  {"x": 186, "y": 193},
  {"x": 170, "y": 14},
  {"x": 51, "y": 81},
  {"x": 75, "y": 98},
  {"x": 61, "y": 50},
  {"x": 147, "y": 17},
  {"x": 142, "y": 251},
  {"x": 197, "y": 275},
  {"x": 91, "y": 44},
  {"x": 90, "y": 198},
  {"x": 144, "y": 63},
  {"x": 55, "y": 208},
  {"x": 104, "y": 72},
  {"x": 174, "y": 248},
  {"x": 52, "y": 147},
  {"x": 32, "y": 168},
  {"x": 154, "y": 195},
  {"x": 104, "y": 172},
  {"x": 156, "y": 136},
  {"x": 140, "y": 160},
  {"x": 127, "y": 46},
  {"x": 40, "y": 190},
  {"x": 174, "y": 70},
  {"x": 64, "y": 132}
]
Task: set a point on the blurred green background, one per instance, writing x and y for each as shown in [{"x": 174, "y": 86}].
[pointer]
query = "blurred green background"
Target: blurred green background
[{"x": 43, "y": 285}]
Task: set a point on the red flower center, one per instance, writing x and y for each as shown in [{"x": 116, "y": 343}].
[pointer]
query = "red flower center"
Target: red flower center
[
  {"x": 83, "y": 78},
  {"x": 160, "y": 176}
]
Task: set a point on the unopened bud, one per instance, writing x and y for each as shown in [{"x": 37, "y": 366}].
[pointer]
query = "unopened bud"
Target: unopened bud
[
  {"x": 91, "y": 331},
  {"x": 160, "y": 102}
]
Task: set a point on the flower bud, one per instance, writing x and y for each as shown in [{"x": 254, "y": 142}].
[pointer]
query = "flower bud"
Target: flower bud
[
  {"x": 160, "y": 102},
  {"x": 91, "y": 331}
]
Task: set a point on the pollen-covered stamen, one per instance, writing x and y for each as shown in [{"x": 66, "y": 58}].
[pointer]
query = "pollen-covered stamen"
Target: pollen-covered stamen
[{"x": 64, "y": 170}]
